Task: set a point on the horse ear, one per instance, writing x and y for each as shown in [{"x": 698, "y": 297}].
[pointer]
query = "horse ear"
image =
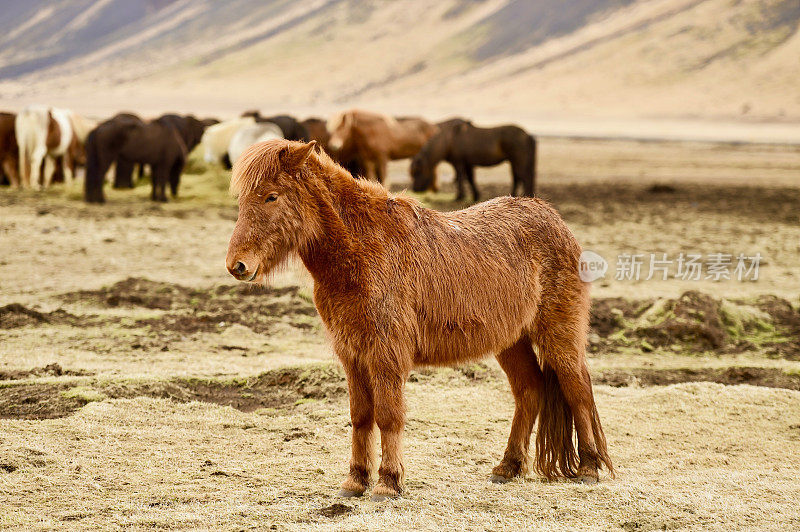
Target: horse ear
[{"x": 293, "y": 158}]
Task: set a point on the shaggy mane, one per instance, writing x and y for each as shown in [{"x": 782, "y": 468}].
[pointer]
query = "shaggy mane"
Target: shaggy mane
[
  {"x": 261, "y": 160},
  {"x": 257, "y": 161}
]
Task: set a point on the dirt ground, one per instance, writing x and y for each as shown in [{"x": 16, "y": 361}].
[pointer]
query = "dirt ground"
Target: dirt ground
[{"x": 142, "y": 386}]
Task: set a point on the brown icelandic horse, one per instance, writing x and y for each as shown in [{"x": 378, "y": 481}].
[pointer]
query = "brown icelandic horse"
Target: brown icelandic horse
[
  {"x": 317, "y": 131},
  {"x": 9, "y": 151},
  {"x": 127, "y": 140},
  {"x": 465, "y": 146},
  {"x": 398, "y": 286},
  {"x": 374, "y": 139}
]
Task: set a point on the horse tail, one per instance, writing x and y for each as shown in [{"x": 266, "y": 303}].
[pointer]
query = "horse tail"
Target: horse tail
[
  {"x": 93, "y": 184},
  {"x": 555, "y": 450},
  {"x": 530, "y": 166},
  {"x": 600, "y": 441}
]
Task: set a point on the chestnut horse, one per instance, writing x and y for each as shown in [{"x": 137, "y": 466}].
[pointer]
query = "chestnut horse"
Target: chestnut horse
[
  {"x": 374, "y": 139},
  {"x": 398, "y": 285},
  {"x": 466, "y": 146},
  {"x": 318, "y": 131}
]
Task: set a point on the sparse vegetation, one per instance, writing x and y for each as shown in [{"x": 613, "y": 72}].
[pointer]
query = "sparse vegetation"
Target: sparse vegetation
[{"x": 135, "y": 373}]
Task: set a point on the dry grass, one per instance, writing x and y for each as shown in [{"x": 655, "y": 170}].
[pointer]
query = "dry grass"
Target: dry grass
[
  {"x": 691, "y": 455},
  {"x": 688, "y": 456}
]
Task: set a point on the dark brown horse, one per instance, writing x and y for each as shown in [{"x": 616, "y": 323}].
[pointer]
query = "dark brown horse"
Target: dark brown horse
[
  {"x": 127, "y": 140},
  {"x": 9, "y": 151},
  {"x": 398, "y": 285},
  {"x": 291, "y": 127},
  {"x": 188, "y": 127},
  {"x": 465, "y": 146},
  {"x": 317, "y": 131}
]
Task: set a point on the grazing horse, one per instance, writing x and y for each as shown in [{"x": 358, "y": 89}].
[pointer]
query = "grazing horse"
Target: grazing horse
[
  {"x": 465, "y": 146},
  {"x": 44, "y": 136},
  {"x": 398, "y": 286},
  {"x": 127, "y": 140},
  {"x": 249, "y": 135},
  {"x": 292, "y": 129},
  {"x": 188, "y": 127},
  {"x": 317, "y": 131},
  {"x": 217, "y": 139},
  {"x": 9, "y": 151},
  {"x": 374, "y": 139}
]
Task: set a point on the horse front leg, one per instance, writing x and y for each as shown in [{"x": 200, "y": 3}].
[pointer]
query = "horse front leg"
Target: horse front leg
[
  {"x": 123, "y": 173},
  {"x": 11, "y": 169},
  {"x": 382, "y": 170},
  {"x": 363, "y": 421},
  {"x": 470, "y": 175},
  {"x": 160, "y": 176},
  {"x": 460, "y": 177},
  {"x": 390, "y": 415}
]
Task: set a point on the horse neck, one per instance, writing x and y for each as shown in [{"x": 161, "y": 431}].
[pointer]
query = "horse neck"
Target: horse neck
[
  {"x": 436, "y": 149},
  {"x": 330, "y": 250}
]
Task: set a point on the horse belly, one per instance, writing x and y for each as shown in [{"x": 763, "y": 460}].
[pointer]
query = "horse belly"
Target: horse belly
[{"x": 452, "y": 341}]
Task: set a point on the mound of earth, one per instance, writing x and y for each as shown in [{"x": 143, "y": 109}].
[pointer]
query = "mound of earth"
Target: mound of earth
[
  {"x": 274, "y": 389},
  {"x": 50, "y": 370},
  {"x": 768, "y": 377},
  {"x": 196, "y": 310},
  {"x": 16, "y": 315},
  {"x": 698, "y": 322}
]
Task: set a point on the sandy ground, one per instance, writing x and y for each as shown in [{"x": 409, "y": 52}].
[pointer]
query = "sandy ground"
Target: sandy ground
[{"x": 135, "y": 392}]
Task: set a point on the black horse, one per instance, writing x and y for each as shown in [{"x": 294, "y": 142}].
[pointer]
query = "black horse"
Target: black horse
[
  {"x": 190, "y": 129},
  {"x": 127, "y": 140},
  {"x": 466, "y": 146},
  {"x": 292, "y": 129}
]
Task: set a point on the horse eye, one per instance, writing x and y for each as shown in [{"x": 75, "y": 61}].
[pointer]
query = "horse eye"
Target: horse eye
[{"x": 271, "y": 197}]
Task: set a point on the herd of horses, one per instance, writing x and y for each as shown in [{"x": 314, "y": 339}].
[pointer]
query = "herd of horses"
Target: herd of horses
[{"x": 42, "y": 145}]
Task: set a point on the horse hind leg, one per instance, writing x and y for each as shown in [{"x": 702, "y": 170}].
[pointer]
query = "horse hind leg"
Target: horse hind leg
[
  {"x": 49, "y": 168},
  {"x": 568, "y": 396},
  {"x": 36, "y": 161},
  {"x": 525, "y": 377},
  {"x": 175, "y": 177}
]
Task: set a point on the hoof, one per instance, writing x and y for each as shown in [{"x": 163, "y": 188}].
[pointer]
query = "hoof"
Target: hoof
[
  {"x": 585, "y": 479},
  {"x": 499, "y": 479},
  {"x": 349, "y": 494},
  {"x": 381, "y": 492}
]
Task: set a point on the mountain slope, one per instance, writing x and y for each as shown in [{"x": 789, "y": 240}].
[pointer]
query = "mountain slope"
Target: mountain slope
[{"x": 624, "y": 58}]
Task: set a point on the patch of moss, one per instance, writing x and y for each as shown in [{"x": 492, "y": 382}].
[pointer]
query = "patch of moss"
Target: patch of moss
[{"x": 84, "y": 394}]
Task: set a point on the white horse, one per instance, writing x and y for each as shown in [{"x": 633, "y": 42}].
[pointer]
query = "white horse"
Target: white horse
[
  {"x": 249, "y": 135},
  {"x": 43, "y": 135},
  {"x": 217, "y": 138}
]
